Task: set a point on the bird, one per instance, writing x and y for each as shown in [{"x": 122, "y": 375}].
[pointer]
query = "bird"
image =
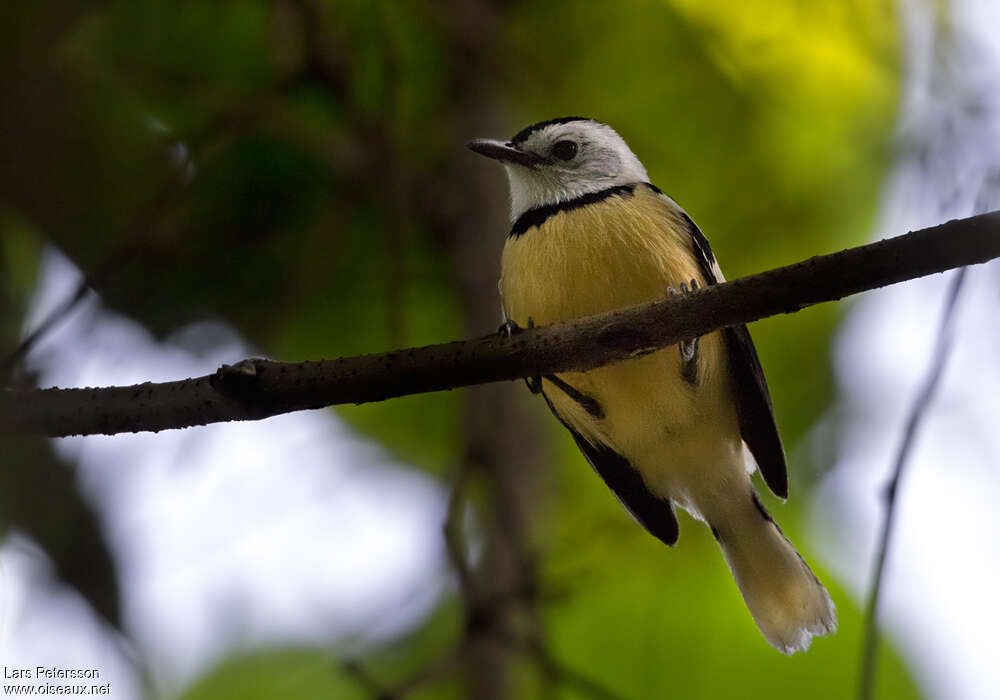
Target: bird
[{"x": 683, "y": 426}]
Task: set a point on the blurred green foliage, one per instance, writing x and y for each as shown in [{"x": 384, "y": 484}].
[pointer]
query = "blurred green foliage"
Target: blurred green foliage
[
  {"x": 288, "y": 166},
  {"x": 277, "y": 674}
]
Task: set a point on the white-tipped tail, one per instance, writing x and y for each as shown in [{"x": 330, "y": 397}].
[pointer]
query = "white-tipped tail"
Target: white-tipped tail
[{"x": 788, "y": 603}]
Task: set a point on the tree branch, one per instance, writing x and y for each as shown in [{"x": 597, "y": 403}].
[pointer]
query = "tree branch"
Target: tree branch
[
  {"x": 869, "y": 649},
  {"x": 255, "y": 389}
]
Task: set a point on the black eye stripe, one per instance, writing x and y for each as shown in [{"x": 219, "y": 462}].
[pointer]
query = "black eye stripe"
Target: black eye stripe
[{"x": 564, "y": 150}]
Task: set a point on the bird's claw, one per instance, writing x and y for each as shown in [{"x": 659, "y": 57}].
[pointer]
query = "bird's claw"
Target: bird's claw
[
  {"x": 686, "y": 288},
  {"x": 508, "y": 329},
  {"x": 688, "y": 348}
]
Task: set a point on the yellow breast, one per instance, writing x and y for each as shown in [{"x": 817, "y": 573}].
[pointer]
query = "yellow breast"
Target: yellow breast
[
  {"x": 614, "y": 253},
  {"x": 611, "y": 254}
]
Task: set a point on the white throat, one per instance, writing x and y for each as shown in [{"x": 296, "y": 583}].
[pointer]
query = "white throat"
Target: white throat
[
  {"x": 603, "y": 161},
  {"x": 531, "y": 190}
]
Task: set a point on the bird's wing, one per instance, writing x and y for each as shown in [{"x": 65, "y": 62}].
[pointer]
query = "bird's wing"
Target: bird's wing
[
  {"x": 753, "y": 400},
  {"x": 652, "y": 512}
]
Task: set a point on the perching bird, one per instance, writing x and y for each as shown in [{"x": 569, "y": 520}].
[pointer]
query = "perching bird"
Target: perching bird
[{"x": 684, "y": 425}]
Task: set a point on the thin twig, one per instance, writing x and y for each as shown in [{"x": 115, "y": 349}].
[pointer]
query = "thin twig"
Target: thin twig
[
  {"x": 869, "y": 652},
  {"x": 553, "y": 669},
  {"x": 453, "y": 531},
  {"x": 213, "y": 136},
  {"x": 133, "y": 236},
  {"x": 433, "y": 672},
  {"x": 364, "y": 679},
  {"x": 57, "y": 314}
]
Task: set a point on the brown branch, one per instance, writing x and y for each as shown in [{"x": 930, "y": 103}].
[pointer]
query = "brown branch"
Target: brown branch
[
  {"x": 256, "y": 389},
  {"x": 869, "y": 649}
]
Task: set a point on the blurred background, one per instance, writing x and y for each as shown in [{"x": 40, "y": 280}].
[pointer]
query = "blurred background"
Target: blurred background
[{"x": 190, "y": 183}]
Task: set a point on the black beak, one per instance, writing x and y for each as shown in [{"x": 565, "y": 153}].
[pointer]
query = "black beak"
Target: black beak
[{"x": 504, "y": 151}]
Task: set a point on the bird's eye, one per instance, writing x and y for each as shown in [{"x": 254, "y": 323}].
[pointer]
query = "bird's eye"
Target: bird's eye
[{"x": 564, "y": 150}]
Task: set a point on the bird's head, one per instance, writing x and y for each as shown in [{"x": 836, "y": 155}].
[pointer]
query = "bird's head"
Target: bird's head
[{"x": 561, "y": 159}]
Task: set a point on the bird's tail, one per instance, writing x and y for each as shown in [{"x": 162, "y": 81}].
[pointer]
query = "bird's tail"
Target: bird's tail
[{"x": 788, "y": 603}]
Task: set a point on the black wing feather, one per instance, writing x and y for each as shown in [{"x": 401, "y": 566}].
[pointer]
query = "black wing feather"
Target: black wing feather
[
  {"x": 652, "y": 512},
  {"x": 753, "y": 400}
]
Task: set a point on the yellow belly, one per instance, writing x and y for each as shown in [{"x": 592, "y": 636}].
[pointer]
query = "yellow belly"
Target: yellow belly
[{"x": 609, "y": 255}]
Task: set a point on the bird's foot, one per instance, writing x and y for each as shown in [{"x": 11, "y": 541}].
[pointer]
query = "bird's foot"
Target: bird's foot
[
  {"x": 508, "y": 329},
  {"x": 686, "y": 288},
  {"x": 688, "y": 348}
]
